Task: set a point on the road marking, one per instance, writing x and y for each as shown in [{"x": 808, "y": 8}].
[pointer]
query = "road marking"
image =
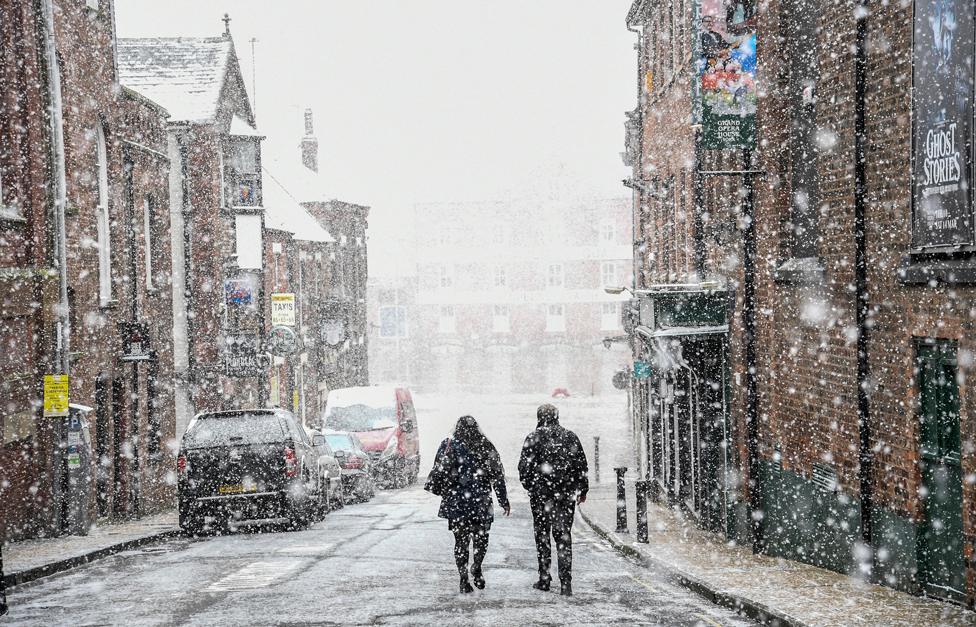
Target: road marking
[
  {"x": 708, "y": 620},
  {"x": 257, "y": 575},
  {"x": 306, "y": 550},
  {"x": 645, "y": 584}
]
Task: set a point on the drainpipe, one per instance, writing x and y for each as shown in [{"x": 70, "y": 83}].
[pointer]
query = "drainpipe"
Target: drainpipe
[
  {"x": 865, "y": 456},
  {"x": 63, "y": 344},
  {"x": 638, "y": 190},
  {"x": 749, "y": 339},
  {"x": 62, "y": 347}
]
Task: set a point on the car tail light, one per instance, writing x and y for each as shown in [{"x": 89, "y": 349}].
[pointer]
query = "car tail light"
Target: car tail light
[
  {"x": 353, "y": 462},
  {"x": 291, "y": 462},
  {"x": 181, "y": 465}
]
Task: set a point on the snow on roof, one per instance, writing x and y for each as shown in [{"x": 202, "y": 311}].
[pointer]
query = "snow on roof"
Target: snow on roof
[
  {"x": 183, "y": 74},
  {"x": 283, "y": 212},
  {"x": 373, "y": 396},
  {"x": 241, "y": 128}
]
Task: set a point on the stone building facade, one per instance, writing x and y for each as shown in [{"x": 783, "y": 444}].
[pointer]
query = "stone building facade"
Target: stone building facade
[{"x": 839, "y": 325}]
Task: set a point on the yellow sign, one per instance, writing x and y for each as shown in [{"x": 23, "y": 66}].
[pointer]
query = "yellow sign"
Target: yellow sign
[
  {"x": 55, "y": 395},
  {"x": 294, "y": 400},
  {"x": 283, "y": 310}
]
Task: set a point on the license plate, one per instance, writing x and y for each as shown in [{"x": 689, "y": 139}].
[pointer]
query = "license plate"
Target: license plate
[{"x": 231, "y": 489}]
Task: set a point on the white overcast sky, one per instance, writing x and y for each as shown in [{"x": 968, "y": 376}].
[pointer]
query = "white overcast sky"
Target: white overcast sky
[{"x": 430, "y": 100}]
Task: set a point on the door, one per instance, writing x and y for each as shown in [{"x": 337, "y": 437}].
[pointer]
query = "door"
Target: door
[{"x": 940, "y": 552}]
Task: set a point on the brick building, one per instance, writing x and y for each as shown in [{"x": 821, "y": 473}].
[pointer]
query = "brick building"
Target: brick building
[
  {"x": 117, "y": 231},
  {"x": 506, "y": 296},
  {"x": 807, "y": 305},
  {"x": 218, "y": 248}
]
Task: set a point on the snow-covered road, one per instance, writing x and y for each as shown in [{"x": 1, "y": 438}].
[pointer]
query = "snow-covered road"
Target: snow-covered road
[{"x": 385, "y": 562}]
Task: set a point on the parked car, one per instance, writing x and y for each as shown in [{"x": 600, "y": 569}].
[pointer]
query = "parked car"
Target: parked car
[
  {"x": 384, "y": 419},
  {"x": 357, "y": 469},
  {"x": 330, "y": 472},
  {"x": 247, "y": 465}
]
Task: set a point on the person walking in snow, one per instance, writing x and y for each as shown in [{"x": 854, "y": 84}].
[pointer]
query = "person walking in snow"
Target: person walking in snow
[
  {"x": 553, "y": 471},
  {"x": 466, "y": 469}
]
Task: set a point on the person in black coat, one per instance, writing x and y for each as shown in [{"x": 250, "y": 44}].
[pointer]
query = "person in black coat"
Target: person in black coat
[
  {"x": 466, "y": 469},
  {"x": 553, "y": 471}
]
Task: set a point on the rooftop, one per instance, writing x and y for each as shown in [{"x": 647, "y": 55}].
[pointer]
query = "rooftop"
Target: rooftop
[{"x": 183, "y": 74}]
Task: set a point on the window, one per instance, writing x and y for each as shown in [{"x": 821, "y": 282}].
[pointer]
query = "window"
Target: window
[
  {"x": 500, "y": 319},
  {"x": 9, "y": 211},
  {"x": 445, "y": 276},
  {"x": 608, "y": 273},
  {"x": 92, "y": 4},
  {"x": 555, "y": 319},
  {"x": 242, "y": 175},
  {"x": 609, "y": 233},
  {"x": 249, "y": 247},
  {"x": 147, "y": 228},
  {"x": 393, "y": 322},
  {"x": 555, "y": 275},
  {"x": 447, "y": 323},
  {"x": 500, "y": 277},
  {"x": 102, "y": 219},
  {"x": 610, "y": 317}
]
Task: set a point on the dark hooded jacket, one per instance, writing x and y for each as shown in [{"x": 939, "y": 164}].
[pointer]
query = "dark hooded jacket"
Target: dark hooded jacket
[
  {"x": 553, "y": 463},
  {"x": 464, "y": 480}
]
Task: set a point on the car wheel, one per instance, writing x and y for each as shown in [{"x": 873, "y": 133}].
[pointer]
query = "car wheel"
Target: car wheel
[
  {"x": 190, "y": 524},
  {"x": 340, "y": 498}
]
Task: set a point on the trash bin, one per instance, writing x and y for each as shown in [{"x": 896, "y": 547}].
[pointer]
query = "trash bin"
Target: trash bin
[{"x": 78, "y": 459}]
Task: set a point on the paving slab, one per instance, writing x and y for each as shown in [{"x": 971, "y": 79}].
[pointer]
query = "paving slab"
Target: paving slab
[
  {"x": 30, "y": 559},
  {"x": 771, "y": 589}
]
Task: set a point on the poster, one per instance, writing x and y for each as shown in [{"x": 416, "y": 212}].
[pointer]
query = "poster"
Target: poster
[
  {"x": 724, "y": 89},
  {"x": 55, "y": 395},
  {"x": 942, "y": 115},
  {"x": 241, "y": 357}
]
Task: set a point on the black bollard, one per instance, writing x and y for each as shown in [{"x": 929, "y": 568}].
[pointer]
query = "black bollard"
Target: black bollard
[
  {"x": 621, "y": 501},
  {"x": 640, "y": 489},
  {"x": 596, "y": 458}
]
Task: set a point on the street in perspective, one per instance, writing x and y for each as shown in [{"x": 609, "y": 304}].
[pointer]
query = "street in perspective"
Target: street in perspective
[{"x": 416, "y": 312}]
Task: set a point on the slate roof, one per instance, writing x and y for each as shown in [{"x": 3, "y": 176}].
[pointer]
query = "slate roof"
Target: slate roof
[{"x": 183, "y": 74}]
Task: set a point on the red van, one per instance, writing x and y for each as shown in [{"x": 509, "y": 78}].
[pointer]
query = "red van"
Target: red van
[{"x": 384, "y": 419}]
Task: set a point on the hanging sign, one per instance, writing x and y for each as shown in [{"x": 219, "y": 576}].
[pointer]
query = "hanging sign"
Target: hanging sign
[
  {"x": 724, "y": 88},
  {"x": 283, "y": 310},
  {"x": 241, "y": 358},
  {"x": 942, "y": 124},
  {"x": 55, "y": 395},
  {"x": 282, "y": 341},
  {"x": 642, "y": 370},
  {"x": 135, "y": 341}
]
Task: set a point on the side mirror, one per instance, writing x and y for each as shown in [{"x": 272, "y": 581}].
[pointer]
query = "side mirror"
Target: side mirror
[{"x": 318, "y": 440}]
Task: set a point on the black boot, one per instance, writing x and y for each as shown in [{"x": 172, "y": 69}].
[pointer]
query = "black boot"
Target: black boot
[
  {"x": 566, "y": 588},
  {"x": 465, "y": 586},
  {"x": 478, "y": 577},
  {"x": 542, "y": 584}
]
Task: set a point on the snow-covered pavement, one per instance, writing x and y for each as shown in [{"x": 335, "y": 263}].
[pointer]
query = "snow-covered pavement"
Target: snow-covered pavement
[{"x": 385, "y": 562}]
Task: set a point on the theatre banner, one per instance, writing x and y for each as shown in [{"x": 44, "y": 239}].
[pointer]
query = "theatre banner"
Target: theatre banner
[
  {"x": 724, "y": 89},
  {"x": 942, "y": 124}
]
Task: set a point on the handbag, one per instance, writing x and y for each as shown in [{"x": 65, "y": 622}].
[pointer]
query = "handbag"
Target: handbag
[{"x": 439, "y": 476}]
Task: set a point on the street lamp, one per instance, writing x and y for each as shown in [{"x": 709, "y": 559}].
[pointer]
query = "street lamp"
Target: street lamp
[{"x": 615, "y": 290}]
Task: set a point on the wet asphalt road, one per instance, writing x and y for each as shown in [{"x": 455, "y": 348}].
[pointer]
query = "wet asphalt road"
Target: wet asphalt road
[{"x": 385, "y": 562}]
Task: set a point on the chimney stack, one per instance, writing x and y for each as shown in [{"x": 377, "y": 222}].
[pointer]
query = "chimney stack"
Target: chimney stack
[{"x": 310, "y": 145}]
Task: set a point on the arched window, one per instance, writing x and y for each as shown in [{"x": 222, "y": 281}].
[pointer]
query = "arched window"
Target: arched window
[{"x": 101, "y": 213}]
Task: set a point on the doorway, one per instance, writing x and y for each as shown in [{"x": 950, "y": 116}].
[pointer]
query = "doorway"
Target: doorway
[{"x": 941, "y": 566}]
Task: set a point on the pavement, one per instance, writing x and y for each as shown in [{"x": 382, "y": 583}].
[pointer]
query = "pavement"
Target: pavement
[
  {"x": 31, "y": 559},
  {"x": 389, "y": 561},
  {"x": 769, "y": 589}
]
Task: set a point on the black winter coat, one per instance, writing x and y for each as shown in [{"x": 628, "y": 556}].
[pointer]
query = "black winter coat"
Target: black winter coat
[
  {"x": 465, "y": 484},
  {"x": 553, "y": 463}
]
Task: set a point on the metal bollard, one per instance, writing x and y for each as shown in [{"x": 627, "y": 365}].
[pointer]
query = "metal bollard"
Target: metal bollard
[
  {"x": 640, "y": 489},
  {"x": 621, "y": 501},
  {"x": 596, "y": 458}
]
